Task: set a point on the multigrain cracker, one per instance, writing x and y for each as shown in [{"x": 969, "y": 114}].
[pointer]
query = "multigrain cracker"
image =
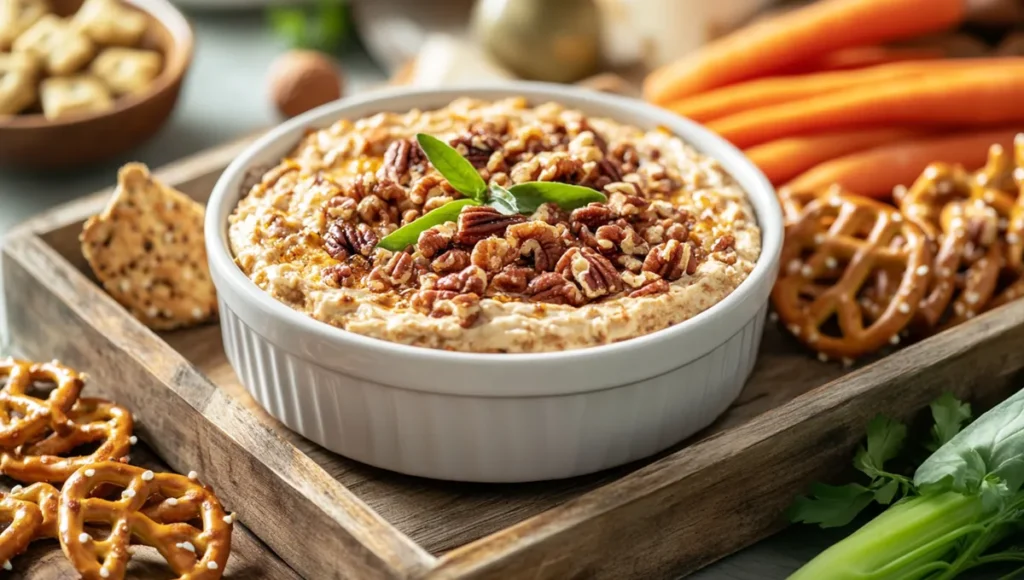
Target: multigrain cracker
[
  {"x": 16, "y": 16},
  {"x": 127, "y": 70},
  {"x": 63, "y": 49},
  {"x": 110, "y": 22},
  {"x": 147, "y": 249},
  {"x": 64, "y": 96}
]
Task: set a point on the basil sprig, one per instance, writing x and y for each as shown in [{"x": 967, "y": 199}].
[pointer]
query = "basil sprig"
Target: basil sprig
[{"x": 522, "y": 198}]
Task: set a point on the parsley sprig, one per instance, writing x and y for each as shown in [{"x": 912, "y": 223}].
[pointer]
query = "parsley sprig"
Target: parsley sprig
[{"x": 522, "y": 198}]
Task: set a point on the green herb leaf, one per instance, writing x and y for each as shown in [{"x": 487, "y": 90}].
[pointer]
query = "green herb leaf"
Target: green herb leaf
[
  {"x": 831, "y": 506},
  {"x": 407, "y": 235},
  {"x": 290, "y": 24},
  {"x": 503, "y": 201},
  {"x": 993, "y": 445},
  {"x": 950, "y": 415},
  {"x": 885, "y": 439},
  {"x": 531, "y": 195},
  {"x": 885, "y": 494},
  {"x": 324, "y": 27},
  {"x": 454, "y": 167}
]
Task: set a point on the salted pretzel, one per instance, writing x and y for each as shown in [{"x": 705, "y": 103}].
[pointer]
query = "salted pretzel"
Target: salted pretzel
[
  {"x": 192, "y": 553},
  {"x": 829, "y": 256},
  {"x": 93, "y": 421},
  {"x": 23, "y": 519},
  {"x": 938, "y": 185},
  {"x": 793, "y": 201},
  {"x": 24, "y": 417},
  {"x": 47, "y": 498}
]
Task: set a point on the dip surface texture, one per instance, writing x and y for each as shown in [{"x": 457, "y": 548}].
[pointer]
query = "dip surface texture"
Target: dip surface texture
[{"x": 676, "y": 236}]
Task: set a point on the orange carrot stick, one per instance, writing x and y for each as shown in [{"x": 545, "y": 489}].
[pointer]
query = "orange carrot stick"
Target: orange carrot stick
[
  {"x": 784, "y": 159},
  {"x": 757, "y": 93},
  {"x": 865, "y": 56},
  {"x": 978, "y": 96},
  {"x": 800, "y": 35},
  {"x": 877, "y": 171}
]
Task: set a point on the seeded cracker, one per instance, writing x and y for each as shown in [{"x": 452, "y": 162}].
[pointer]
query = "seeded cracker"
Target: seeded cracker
[{"x": 147, "y": 250}]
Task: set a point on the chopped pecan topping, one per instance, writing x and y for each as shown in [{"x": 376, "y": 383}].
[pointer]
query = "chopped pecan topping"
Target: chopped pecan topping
[
  {"x": 677, "y": 232},
  {"x": 341, "y": 207},
  {"x": 629, "y": 263},
  {"x": 399, "y": 157},
  {"x": 539, "y": 241},
  {"x": 550, "y": 213},
  {"x": 670, "y": 260},
  {"x": 433, "y": 241},
  {"x": 592, "y": 271},
  {"x": 477, "y": 222},
  {"x": 373, "y": 210},
  {"x": 466, "y": 307},
  {"x": 625, "y": 199},
  {"x": 424, "y": 300},
  {"x": 562, "y": 168},
  {"x": 724, "y": 243},
  {"x": 470, "y": 279},
  {"x": 554, "y": 289},
  {"x": 477, "y": 145},
  {"x": 398, "y": 270},
  {"x": 409, "y": 216},
  {"x": 614, "y": 238},
  {"x": 337, "y": 275},
  {"x": 625, "y": 157},
  {"x": 593, "y": 216},
  {"x": 659, "y": 286},
  {"x": 513, "y": 279},
  {"x": 451, "y": 261},
  {"x": 492, "y": 254},
  {"x": 343, "y": 238}
]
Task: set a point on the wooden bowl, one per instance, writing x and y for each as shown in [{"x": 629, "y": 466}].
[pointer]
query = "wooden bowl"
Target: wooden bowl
[{"x": 31, "y": 141}]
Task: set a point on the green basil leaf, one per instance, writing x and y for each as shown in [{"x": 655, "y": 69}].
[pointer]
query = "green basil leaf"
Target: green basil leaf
[
  {"x": 407, "y": 235},
  {"x": 454, "y": 167},
  {"x": 532, "y": 194},
  {"x": 503, "y": 201}
]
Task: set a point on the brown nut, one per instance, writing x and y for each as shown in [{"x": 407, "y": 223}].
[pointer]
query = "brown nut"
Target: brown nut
[{"x": 300, "y": 80}]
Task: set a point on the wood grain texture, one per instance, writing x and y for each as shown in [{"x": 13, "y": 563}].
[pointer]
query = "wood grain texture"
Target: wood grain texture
[
  {"x": 703, "y": 499},
  {"x": 250, "y": 558}
]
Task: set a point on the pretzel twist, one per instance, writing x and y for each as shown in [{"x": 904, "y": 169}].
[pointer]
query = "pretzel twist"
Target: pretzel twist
[
  {"x": 47, "y": 498},
  {"x": 870, "y": 237},
  {"x": 93, "y": 421},
  {"x": 24, "y": 417},
  {"x": 192, "y": 553},
  {"x": 23, "y": 519}
]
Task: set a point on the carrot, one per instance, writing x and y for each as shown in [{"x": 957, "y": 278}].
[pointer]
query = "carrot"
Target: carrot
[
  {"x": 978, "y": 96},
  {"x": 774, "y": 90},
  {"x": 877, "y": 171},
  {"x": 864, "y": 56},
  {"x": 801, "y": 35},
  {"x": 784, "y": 159}
]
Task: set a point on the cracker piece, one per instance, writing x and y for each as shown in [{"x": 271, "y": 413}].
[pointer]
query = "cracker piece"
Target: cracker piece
[
  {"x": 63, "y": 49},
  {"x": 64, "y": 96},
  {"x": 17, "y": 83},
  {"x": 16, "y": 16},
  {"x": 110, "y": 22},
  {"x": 147, "y": 250},
  {"x": 127, "y": 70}
]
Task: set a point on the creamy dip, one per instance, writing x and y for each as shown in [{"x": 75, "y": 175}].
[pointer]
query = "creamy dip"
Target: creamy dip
[{"x": 676, "y": 235}]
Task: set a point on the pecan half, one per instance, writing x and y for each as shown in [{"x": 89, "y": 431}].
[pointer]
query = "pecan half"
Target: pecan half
[
  {"x": 399, "y": 157},
  {"x": 554, "y": 289},
  {"x": 424, "y": 300},
  {"x": 466, "y": 307},
  {"x": 341, "y": 207},
  {"x": 451, "y": 261},
  {"x": 492, "y": 254},
  {"x": 659, "y": 286},
  {"x": 539, "y": 241},
  {"x": 337, "y": 275},
  {"x": 373, "y": 210},
  {"x": 593, "y": 216},
  {"x": 670, "y": 260},
  {"x": 724, "y": 243},
  {"x": 625, "y": 199},
  {"x": 477, "y": 222},
  {"x": 477, "y": 145},
  {"x": 592, "y": 271},
  {"x": 398, "y": 270},
  {"x": 344, "y": 238},
  {"x": 562, "y": 168},
  {"x": 513, "y": 279},
  {"x": 550, "y": 214},
  {"x": 433, "y": 241},
  {"x": 468, "y": 280}
]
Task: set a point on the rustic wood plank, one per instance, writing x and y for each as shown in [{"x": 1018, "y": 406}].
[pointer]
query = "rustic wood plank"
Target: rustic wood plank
[
  {"x": 250, "y": 558},
  {"x": 684, "y": 511},
  {"x": 326, "y": 532}
]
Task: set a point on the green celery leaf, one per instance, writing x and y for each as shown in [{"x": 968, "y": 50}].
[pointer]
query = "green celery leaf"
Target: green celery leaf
[
  {"x": 407, "y": 235},
  {"x": 454, "y": 167},
  {"x": 887, "y": 492},
  {"x": 531, "y": 195},
  {"x": 503, "y": 201},
  {"x": 831, "y": 506},
  {"x": 993, "y": 445},
  {"x": 950, "y": 415},
  {"x": 994, "y": 493},
  {"x": 885, "y": 439}
]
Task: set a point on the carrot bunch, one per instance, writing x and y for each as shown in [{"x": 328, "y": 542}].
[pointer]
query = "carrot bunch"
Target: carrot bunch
[{"x": 814, "y": 97}]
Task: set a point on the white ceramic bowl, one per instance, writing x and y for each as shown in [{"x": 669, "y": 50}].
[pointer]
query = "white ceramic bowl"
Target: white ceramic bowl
[{"x": 490, "y": 417}]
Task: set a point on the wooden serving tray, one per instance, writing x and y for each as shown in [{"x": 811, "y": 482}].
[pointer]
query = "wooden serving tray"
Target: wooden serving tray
[{"x": 329, "y": 517}]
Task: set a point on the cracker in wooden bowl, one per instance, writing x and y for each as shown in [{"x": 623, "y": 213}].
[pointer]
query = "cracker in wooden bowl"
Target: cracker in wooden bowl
[{"x": 147, "y": 250}]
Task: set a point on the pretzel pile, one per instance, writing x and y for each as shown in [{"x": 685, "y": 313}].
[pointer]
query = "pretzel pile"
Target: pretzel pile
[
  {"x": 105, "y": 505},
  {"x": 858, "y": 275}
]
